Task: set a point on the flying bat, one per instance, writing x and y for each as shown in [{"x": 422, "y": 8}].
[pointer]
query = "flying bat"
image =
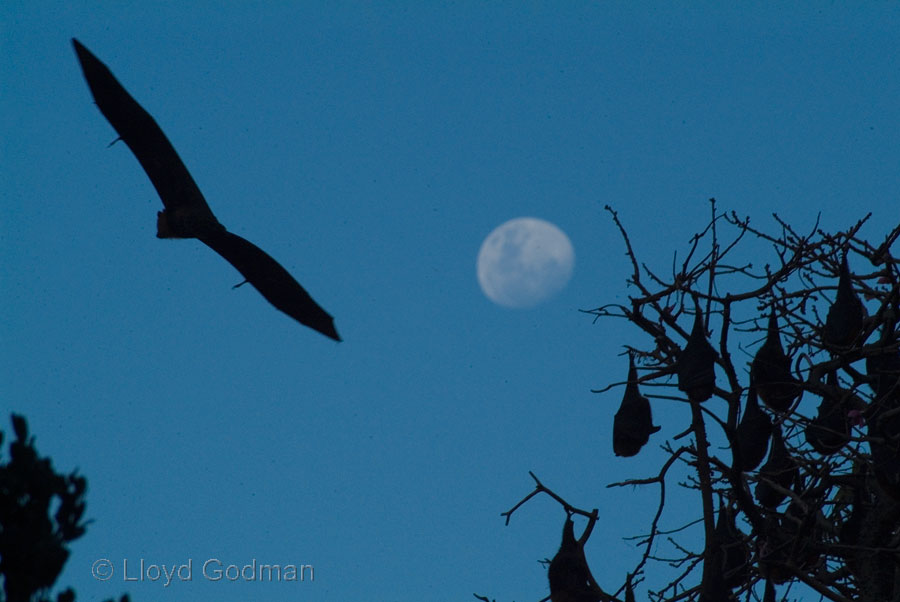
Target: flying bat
[{"x": 186, "y": 214}]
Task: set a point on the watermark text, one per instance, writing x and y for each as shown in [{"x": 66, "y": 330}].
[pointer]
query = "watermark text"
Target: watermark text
[{"x": 209, "y": 569}]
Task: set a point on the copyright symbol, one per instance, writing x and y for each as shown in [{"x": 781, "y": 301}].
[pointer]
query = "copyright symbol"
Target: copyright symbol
[{"x": 102, "y": 569}]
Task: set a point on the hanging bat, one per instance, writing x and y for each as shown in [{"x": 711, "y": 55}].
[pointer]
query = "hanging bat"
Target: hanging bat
[
  {"x": 860, "y": 505},
  {"x": 633, "y": 423},
  {"x": 800, "y": 525},
  {"x": 734, "y": 554},
  {"x": 829, "y": 431},
  {"x": 779, "y": 468},
  {"x": 845, "y": 317},
  {"x": 884, "y": 442},
  {"x": 772, "y": 547},
  {"x": 883, "y": 369},
  {"x": 186, "y": 214},
  {"x": 569, "y": 576},
  {"x": 712, "y": 585},
  {"x": 771, "y": 370},
  {"x": 883, "y": 421},
  {"x": 696, "y": 363},
  {"x": 753, "y": 433}
]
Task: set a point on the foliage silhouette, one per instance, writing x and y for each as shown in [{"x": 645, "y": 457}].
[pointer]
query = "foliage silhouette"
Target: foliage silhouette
[{"x": 34, "y": 539}]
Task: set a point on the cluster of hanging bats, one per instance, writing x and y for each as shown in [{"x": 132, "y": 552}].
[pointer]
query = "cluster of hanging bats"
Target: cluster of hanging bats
[
  {"x": 186, "y": 215},
  {"x": 756, "y": 435}
]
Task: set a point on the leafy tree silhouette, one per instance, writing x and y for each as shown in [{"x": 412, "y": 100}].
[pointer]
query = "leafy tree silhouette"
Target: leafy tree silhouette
[
  {"x": 822, "y": 513},
  {"x": 33, "y": 542}
]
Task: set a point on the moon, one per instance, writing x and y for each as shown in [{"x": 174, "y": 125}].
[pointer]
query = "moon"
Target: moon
[{"x": 524, "y": 262}]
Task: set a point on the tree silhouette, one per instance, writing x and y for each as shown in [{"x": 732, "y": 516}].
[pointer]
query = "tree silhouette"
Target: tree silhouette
[
  {"x": 34, "y": 539},
  {"x": 815, "y": 328}
]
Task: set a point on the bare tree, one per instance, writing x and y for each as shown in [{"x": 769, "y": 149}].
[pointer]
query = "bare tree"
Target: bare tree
[{"x": 817, "y": 322}]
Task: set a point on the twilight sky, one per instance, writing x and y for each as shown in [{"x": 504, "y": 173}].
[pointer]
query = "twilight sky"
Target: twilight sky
[{"x": 370, "y": 148}]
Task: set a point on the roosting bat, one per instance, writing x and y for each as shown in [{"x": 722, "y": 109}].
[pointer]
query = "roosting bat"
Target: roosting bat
[
  {"x": 883, "y": 369},
  {"x": 186, "y": 214},
  {"x": 733, "y": 552},
  {"x": 780, "y": 468},
  {"x": 696, "y": 363},
  {"x": 845, "y": 316},
  {"x": 753, "y": 433},
  {"x": 633, "y": 423},
  {"x": 829, "y": 431},
  {"x": 771, "y": 370},
  {"x": 569, "y": 575}
]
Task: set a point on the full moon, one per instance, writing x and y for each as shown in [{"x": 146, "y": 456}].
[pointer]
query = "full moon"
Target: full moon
[{"x": 524, "y": 262}]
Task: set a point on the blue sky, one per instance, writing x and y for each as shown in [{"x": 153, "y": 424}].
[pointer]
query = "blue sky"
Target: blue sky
[{"x": 370, "y": 148}]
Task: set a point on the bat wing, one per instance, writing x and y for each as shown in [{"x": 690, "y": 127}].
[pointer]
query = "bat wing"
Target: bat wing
[
  {"x": 271, "y": 280},
  {"x": 184, "y": 203},
  {"x": 186, "y": 213}
]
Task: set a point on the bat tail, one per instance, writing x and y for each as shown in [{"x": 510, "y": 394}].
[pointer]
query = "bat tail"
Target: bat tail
[{"x": 271, "y": 280}]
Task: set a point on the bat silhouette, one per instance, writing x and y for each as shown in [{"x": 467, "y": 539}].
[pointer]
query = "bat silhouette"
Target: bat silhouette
[
  {"x": 753, "y": 432},
  {"x": 883, "y": 369},
  {"x": 799, "y": 525},
  {"x": 633, "y": 423},
  {"x": 884, "y": 372},
  {"x": 792, "y": 541},
  {"x": 845, "y": 316},
  {"x": 883, "y": 421},
  {"x": 849, "y": 530},
  {"x": 771, "y": 370},
  {"x": 779, "y": 468},
  {"x": 883, "y": 428},
  {"x": 696, "y": 363},
  {"x": 569, "y": 575},
  {"x": 186, "y": 214},
  {"x": 829, "y": 431},
  {"x": 773, "y": 550},
  {"x": 712, "y": 586},
  {"x": 886, "y": 460},
  {"x": 733, "y": 549}
]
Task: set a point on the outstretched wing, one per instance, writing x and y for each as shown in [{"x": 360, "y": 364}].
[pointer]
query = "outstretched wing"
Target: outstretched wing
[
  {"x": 272, "y": 280},
  {"x": 135, "y": 126},
  {"x": 186, "y": 213}
]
